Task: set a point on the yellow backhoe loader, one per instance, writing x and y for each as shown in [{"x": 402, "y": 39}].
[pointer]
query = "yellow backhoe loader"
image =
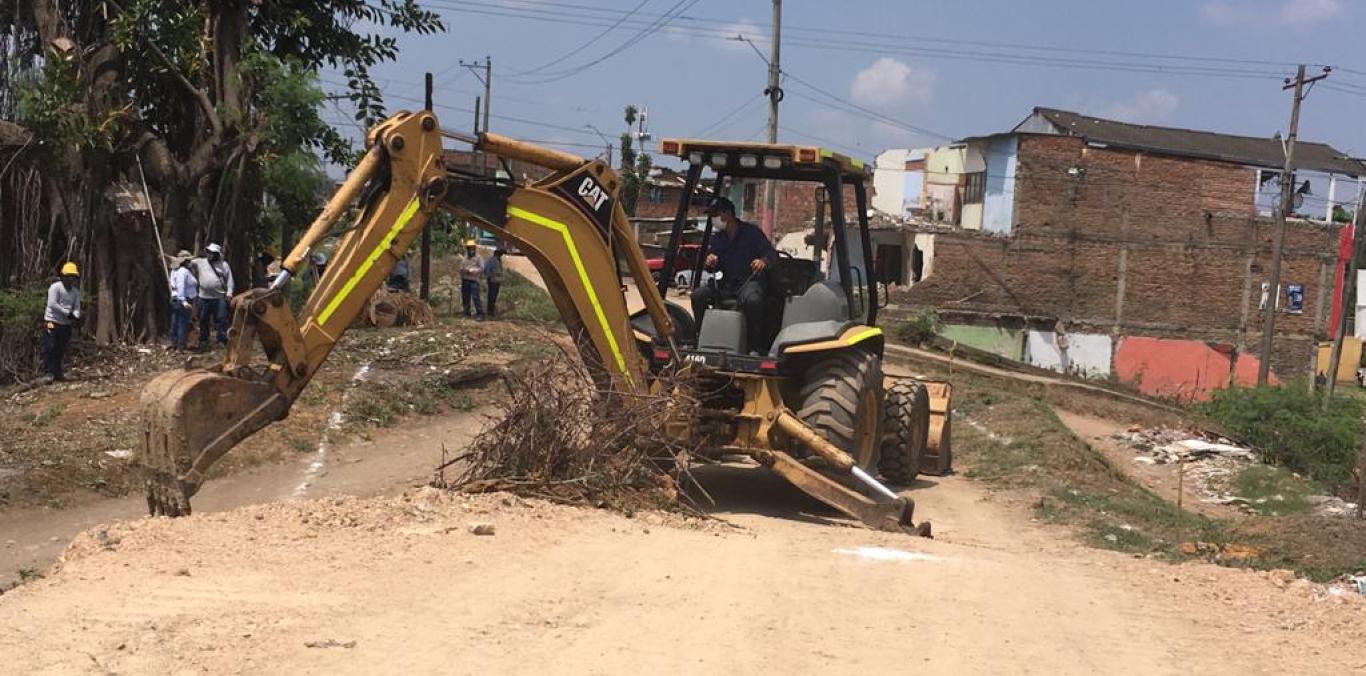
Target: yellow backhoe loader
[{"x": 816, "y": 393}]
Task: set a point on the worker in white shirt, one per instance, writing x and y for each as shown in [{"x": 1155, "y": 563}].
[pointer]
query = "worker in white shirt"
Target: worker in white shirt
[
  {"x": 471, "y": 270},
  {"x": 215, "y": 288},
  {"x": 184, "y": 294},
  {"x": 62, "y": 311}
]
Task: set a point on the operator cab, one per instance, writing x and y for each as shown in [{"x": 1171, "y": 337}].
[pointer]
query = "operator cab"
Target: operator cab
[{"x": 812, "y": 298}]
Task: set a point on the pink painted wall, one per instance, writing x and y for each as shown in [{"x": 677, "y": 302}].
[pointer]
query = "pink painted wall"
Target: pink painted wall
[{"x": 1181, "y": 369}]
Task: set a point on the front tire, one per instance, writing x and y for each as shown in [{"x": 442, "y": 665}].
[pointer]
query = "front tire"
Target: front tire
[
  {"x": 905, "y": 432},
  {"x": 842, "y": 401}
]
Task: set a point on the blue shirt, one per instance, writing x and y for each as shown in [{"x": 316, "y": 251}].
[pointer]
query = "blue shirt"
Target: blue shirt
[{"x": 735, "y": 257}]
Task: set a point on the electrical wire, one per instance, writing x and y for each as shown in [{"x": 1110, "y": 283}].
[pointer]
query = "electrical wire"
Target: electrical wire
[
  {"x": 534, "y": 5},
  {"x": 721, "y": 123},
  {"x": 884, "y": 44},
  {"x": 586, "y": 44},
  {"x": 677, "y": 9}
]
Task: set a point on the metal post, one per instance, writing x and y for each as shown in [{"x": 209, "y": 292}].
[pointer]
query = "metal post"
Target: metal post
[
  {"x": 1278, "y": 239},
  {"x": 775, "y": 94},
  {"x": 1348, "y": 281},
  {"x": 425, "y": 290}
]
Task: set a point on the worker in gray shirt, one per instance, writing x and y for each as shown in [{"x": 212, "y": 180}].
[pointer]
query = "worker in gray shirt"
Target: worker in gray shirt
[
  {"x": 215, "y": 288},
  {"x": 62, "y": 311},
  {"x": 493, "y": 276}
]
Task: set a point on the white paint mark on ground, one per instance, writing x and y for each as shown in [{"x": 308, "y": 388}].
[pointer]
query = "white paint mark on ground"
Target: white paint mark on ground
[
  {"x": 886, "y": 554},
  {"x": 334, "y": 423}
]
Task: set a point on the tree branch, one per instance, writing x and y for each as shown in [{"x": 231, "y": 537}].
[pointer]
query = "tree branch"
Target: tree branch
[{"x": 200, "y": 96}]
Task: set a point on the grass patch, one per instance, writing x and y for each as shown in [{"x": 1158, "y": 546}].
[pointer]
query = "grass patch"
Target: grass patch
[
  {"x": 520, "y": 299},
  {"x": 384, "y": 403},
  {"x": 1019, "y": 443},
  {"x": 1294, "y": 428},
  {"x": 1029, "y": 448},
  {"x": 1273, "y": 491},
  {"x": 46, "y": 416}
]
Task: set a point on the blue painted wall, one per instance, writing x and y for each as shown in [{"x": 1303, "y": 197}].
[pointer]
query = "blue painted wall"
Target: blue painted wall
[{"x": 999, "y": 208}]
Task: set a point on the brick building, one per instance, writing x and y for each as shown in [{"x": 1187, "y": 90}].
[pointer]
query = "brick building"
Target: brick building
[{"x": 1126, "y": 251}]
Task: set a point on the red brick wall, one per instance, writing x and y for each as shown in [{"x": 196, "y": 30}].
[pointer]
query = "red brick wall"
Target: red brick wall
[{"x": 1182, "y": 236}]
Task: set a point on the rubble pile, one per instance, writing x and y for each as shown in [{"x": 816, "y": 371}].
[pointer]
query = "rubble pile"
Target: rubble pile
[{"x": 1210, "y": 464}]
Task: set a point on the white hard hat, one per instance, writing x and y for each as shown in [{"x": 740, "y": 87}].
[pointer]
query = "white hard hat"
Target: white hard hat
[{"x": 214, "y": 248}]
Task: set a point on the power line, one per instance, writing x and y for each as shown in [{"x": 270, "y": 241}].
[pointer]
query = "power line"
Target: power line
[
  {"x": 825, "y": 141},
  {"x": 897, "y": 45},
  {"x": 585, "y": 45},
  {"x": 508, "y": 118},
  {"x": 541, "y": 5},
  {"x": 727, "y": 117},
  {"x": 677, "y": 8}
]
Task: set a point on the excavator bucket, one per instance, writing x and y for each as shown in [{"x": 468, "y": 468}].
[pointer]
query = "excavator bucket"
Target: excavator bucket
[
  {"x": 937, "y": 459},
  {"x": 191, "y": 417}
]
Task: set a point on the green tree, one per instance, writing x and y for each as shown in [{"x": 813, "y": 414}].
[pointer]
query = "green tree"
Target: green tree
[
  {"x": 215, "y": 102},
  {"x": 635, "y": 167}
]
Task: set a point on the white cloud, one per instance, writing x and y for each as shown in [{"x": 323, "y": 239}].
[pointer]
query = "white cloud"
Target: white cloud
[
  {"x": 1277, "y": 14},
  {"x": 1146, "y": 107},
  {"x": 892, "y": 82}
]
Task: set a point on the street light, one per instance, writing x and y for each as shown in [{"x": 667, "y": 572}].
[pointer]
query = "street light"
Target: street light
[{"x": 607, "y": 142}]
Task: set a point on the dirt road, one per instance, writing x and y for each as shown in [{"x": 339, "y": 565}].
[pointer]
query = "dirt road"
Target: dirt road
[
  {"x": 399, "y": 585},
  {"x": 33, "y": 538}
]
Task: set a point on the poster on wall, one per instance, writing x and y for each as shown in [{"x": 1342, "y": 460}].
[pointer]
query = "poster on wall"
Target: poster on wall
[{"x": 1294, "y": 298}]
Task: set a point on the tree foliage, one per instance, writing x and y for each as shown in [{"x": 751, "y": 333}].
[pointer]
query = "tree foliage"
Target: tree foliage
[
  {"x": 1294, "y": 428},
  {"x": 215, "y": 103},
  {"x": 635, "y": 167}
]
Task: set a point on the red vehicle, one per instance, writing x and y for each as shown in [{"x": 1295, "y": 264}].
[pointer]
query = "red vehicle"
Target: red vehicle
[{"x": 684, "y": 262}]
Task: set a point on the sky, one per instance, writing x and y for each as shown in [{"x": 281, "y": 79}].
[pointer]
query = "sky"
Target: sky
[{"x": 862, "y": 76}]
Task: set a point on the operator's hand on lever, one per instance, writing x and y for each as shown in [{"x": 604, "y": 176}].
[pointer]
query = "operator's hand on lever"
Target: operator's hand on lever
[
  {"x": 711, "y": 261},
  {"x": 758, "y": 265}
]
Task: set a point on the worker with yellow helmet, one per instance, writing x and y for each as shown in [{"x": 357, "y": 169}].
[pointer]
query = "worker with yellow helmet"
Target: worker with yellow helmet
[
  {"x": 471, "y": 270},
  {"x": 62, "y": 311}
]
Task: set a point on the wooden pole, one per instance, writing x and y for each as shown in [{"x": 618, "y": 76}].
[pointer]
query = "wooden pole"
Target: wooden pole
[
  {"x": 425, "y": 290},
  {"x": 1348, "y": 282},
  {"x": 1282, "y": 212}
]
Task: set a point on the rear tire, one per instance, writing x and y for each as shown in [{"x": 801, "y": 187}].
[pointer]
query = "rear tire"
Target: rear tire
[
  {"x": 905, "y": 432},
  {"x": 842, "y": 401}
]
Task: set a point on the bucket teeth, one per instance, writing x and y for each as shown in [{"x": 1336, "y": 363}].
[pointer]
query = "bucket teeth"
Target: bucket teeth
[{"x": 190, "y": 418}]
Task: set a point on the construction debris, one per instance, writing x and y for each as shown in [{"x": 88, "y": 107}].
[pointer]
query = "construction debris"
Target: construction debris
[{"x": 1164, "y": 445}]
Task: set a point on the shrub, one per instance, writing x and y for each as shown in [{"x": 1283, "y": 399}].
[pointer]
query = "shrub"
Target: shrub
[
  {"x": 1293, "y": 428},
  {"x": 920, "y": 329}
]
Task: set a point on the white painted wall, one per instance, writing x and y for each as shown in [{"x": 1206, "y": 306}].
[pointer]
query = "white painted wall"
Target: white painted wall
[
  {"x": 889, "y": 181},
  {"x": 1359, "y": 328},
  {"x": 1086, "y": 354}
]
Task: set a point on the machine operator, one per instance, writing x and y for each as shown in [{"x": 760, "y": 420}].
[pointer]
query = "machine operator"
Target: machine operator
[{"x": 740, "y": 252}]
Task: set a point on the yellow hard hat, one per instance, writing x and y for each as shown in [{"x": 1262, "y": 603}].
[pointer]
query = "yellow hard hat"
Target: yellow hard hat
[
  {"x": 69, "y": 268},
  {"x": 470, "y": 242}
]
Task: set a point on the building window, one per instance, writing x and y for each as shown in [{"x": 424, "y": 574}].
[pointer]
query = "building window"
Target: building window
[
  {"x": 975, "y": 188},
  {"x": 750, "y": 198},
  {"x": 656, "y": 194}
]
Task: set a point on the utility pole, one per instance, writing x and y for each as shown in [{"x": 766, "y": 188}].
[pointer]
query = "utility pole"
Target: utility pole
[
  {"x": 1348, "y": 283},
  {"x": 1278, "y": 239},
  {"x": 775, "y": 95},
  {"x": 486, "y": 79},
  {"x": 425, "y": 290}
]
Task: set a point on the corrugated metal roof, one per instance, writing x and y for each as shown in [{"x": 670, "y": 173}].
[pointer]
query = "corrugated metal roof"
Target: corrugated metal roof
[{"x": 1249, "y": 150}]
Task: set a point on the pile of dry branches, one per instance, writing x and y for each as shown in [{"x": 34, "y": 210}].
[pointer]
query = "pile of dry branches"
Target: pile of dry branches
[{"x": 561, "y": 439}]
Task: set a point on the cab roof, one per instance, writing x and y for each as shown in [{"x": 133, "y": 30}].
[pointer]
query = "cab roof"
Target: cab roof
[{"x": 770, "y": 160}]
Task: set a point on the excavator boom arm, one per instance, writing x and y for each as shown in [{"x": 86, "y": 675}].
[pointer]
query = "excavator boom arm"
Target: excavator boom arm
[{"x": 569, "y": 224}]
